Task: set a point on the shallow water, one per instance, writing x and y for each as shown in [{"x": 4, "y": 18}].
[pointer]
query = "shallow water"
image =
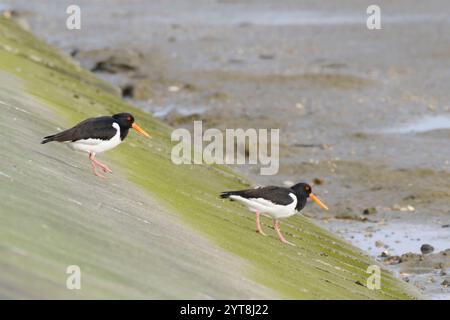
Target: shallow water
[
  {"x": 162, "y": 111},
  {"x": 270, "y": 17},
  {"x": 426, "y": 124},
  {"x": 400, "y": 237}
]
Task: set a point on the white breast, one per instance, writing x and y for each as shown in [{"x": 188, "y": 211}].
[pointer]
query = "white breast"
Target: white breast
[
  {"x": 269, "y": 208},
  {"x": 97, "y": 145}
]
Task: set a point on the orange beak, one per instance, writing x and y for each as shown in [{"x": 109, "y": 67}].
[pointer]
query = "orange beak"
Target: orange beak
[
  {"x": 316, "y": 200},
  {"x": 140, "y": 130}
]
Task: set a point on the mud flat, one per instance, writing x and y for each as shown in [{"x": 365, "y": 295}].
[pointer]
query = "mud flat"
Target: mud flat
[
  {"x": 353, "y": 106},
  {"x": 152, "y": 230}
]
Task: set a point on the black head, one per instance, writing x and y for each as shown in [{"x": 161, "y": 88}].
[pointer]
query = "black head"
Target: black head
[
  {"x": 125, "y": 120},
  {"x": 302, "y": 188},
  {"x": 303, "y": 191}
]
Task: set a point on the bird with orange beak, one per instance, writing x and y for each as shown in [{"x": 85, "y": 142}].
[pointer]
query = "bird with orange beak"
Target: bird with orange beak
[
  {"x": 96, "y": 135},
  {"x": 275, "y": 202}
]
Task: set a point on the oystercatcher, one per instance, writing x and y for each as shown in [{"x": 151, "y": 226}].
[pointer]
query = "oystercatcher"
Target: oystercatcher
[
  {"x": 95, "y": 135},
  {"x": 275, "y": 202}
]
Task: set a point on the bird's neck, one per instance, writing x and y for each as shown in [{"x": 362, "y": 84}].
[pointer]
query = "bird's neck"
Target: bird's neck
[
  {"x": 301, "y": 202},
  {"x": 123, "y": 133}
]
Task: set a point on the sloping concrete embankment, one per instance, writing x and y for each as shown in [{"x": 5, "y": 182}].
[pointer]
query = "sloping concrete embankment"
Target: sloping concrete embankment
[{"x": 152, "y": 229}]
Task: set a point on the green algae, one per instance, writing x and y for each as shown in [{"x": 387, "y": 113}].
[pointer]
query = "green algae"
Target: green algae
[{"x": 321, "y": 266}]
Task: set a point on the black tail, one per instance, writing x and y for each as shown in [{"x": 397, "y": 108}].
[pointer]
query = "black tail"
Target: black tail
[
  {"x": 227, "y": 194},
  {"x": 48, "y": 139}
]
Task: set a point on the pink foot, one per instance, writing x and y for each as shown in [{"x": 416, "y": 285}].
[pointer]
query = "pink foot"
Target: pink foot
[
  {"x": 287, "y": 242},
  {"x": 99, "y": 175},
  {"x": 95, "y": 162},
  {"x": 105, "y": 168},
  {"x": 94, "y": 171},
  {"x": 280, "y": 235}
]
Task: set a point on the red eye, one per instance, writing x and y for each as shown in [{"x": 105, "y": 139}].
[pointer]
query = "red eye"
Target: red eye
[{"x": 129, "y": 118}]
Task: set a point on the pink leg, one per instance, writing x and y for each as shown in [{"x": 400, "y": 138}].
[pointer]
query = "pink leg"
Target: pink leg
[
  {"x": 98, "y": 163},
  {"x": 94, "y": 164},
  {"x": 94, "y": 169},
  {"x": 276, "y": 226},
  {"x": 258, "y": 224}
]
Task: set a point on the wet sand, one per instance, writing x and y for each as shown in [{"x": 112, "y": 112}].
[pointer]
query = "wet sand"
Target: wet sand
[{"x": 365, "y": 113}]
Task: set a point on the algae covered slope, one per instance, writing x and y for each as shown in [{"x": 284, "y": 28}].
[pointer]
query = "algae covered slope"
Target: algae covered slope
[{"x": 153, "y": 229}]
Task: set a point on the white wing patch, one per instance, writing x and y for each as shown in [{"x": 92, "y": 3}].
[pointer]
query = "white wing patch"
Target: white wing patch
[
  {"x": 97, "y": 145},
  {"x": 90, "y": 141},
  {"x": 265, "y": 206}
]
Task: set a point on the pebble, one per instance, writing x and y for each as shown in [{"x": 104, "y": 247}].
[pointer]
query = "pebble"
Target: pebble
[
  {"x": 368, "y": 211},
  {"x": 379, "y": 244},
  {"x": 446, "y": 283},
  {"x": 385, "y": 254},
  {"x": 174, "y": 89},
  {"x": 407, "y": 208},
  {"x": 426, "y": 248},
  {"x": 317, "y": 181},
  {"x": 265, "y": 56},
  {"x": 300, "y": 106},
  {"x": 392, "y": 260}
]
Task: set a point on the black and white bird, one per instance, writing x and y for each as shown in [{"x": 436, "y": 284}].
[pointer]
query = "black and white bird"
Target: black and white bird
[
  {"x": 96, "y": 135},
  {"x": 275, "y": 202}
]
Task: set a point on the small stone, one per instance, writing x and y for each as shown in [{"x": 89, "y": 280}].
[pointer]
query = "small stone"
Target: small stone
[
  {"x": 392, "y": 260},
  {"x": 445, "y": 283},
  {"x": 426, "y": 249},
  {"x": 128, "y": 91},
  {"x": 190, "y": 87},
  {"x": 173, "y": 89},
  {"x": 317, "y": 181},
  {"x": 379, "y": 244},
  {"x": 385, "y": 254},
  {"x": 445, "y": 226},
  {"x": 398, "y": 207},
  {"x": 265, "y": 56},
  {"x": 113, "y": 62},
  {"x": 368, "y": 211}
]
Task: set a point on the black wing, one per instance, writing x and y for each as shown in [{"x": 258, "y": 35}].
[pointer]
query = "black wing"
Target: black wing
[
  {"x": 277, "y": 195},
  {"x": 94, "y": 128}
]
